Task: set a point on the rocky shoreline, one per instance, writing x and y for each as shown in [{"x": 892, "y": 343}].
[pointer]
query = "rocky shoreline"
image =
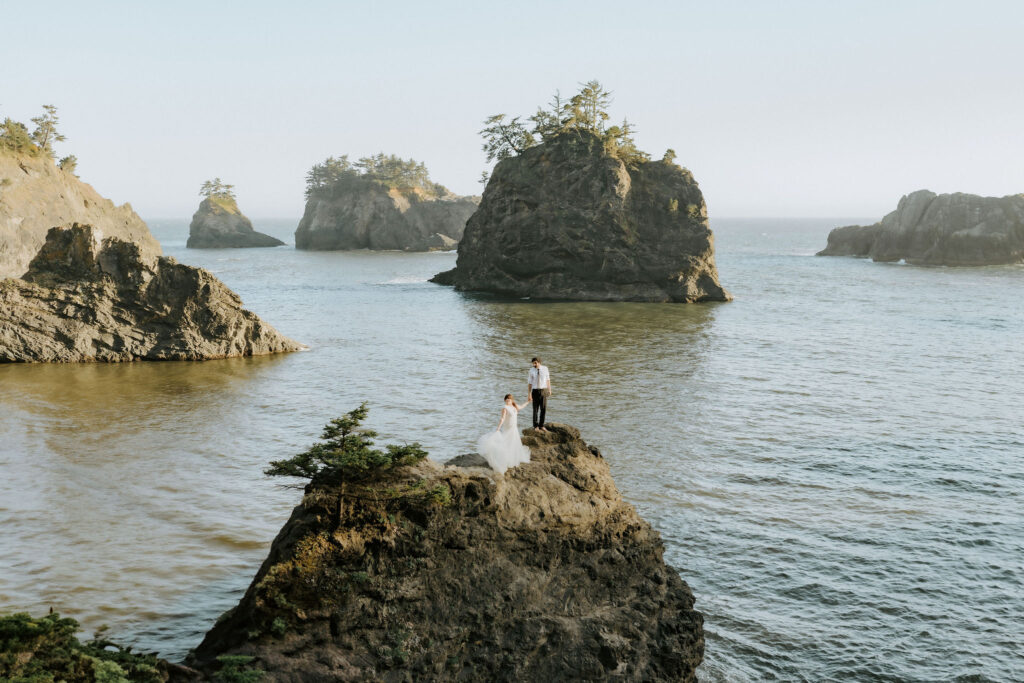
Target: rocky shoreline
[{"x": 90, "y": 298}]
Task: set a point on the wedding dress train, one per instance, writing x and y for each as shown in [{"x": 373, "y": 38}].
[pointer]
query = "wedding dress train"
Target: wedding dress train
[{"x": 503, "y": 448}]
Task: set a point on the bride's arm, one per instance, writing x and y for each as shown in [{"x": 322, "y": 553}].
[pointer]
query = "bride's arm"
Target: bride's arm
[{"x": 502, "y": 419}]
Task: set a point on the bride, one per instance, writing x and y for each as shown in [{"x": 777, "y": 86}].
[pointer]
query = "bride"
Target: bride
[{"x": 503, "y": 448}]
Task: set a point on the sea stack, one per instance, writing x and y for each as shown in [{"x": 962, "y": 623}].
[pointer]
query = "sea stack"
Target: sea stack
[
  {"x": 87, "y": 297},
  {"x": 380, "y": 202},
  {"x": 931, "y": 229},
  {"x": 436, "y": 572},
  {"x": 571, "y": 219},
  {"x": 36, "y": 194},
  {"x": 219, "y": 224}
]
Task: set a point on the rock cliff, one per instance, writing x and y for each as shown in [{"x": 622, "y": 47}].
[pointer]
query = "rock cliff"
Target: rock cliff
[
  {"x": 541, "y": 574},
  {"x": 365, "y": 214},
  {"x": 89, "y": 298},
  {"x": 939, "y": 230},
  {"x": 36, "y": 195},
  {"x": 568, "y": 220},
  {"x": 219, "y": 224}
]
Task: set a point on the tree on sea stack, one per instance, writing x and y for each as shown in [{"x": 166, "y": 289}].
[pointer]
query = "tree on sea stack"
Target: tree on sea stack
[
  {"x": 217, "y": 189},
  {"x": 346, "y": 454}
]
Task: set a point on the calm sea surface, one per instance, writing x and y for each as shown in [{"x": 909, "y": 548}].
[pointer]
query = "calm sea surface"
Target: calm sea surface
[{"x": 835, "y": 459}]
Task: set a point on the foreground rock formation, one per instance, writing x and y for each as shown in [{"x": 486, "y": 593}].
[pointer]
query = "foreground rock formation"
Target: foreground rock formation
[
  {"x": 219, "y": 224},
  {"x": 939, "y": 230},
  {"x": 90, "y": 298},
  {"x": 36, "y": 195},
  {"x": 567, "y": 220},
  {"x": 459, "y": 573},
  {"x": 365, "y": 214}
]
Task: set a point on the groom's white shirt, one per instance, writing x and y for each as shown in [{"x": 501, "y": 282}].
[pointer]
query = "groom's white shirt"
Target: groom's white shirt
[{"x": 540, "y": 378}]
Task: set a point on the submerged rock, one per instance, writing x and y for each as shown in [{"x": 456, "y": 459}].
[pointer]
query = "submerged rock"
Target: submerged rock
[
  {"x": 939, "y": 230},
  {"x": 568, "y": 220},
  {"x": 219, "y": 224},
  {"x": 366, "y": 214},
  {"x": 458, "y": 573},
  {"x": 36, "y": 195},
  {"x": 90, "y": 298}
]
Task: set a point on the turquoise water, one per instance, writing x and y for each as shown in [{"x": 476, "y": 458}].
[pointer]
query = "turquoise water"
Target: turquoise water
[{"x": 835, "y": 459}]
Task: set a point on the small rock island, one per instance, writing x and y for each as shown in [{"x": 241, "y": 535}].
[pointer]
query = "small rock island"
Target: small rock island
[
  {"x": 219, "y": 224},
  {"x": 574, "y": 211},
  {"x": 380, "y": 202},
  {"x": 86, "y": 297},
  {"x": 398, "y": 568},
  {"x": 931, "y": 229},
  {"x": 37, "y": 192}
]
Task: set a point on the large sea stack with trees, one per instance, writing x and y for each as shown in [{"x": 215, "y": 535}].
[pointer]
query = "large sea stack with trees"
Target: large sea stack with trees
[
  {"x": 573, "y": 210},
  {"x": 380, "y": 202}
]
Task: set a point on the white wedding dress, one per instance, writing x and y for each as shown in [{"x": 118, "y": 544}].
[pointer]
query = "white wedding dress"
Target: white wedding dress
[{"x": 503, "y": 448}]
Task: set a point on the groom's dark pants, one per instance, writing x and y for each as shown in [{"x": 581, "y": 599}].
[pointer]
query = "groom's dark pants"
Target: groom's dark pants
[{"x": 540, "y": 405}]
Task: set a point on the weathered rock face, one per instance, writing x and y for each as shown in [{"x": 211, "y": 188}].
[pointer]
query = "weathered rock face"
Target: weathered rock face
[
  {"x": 565, "y": 220},
  {"x": 35, "y": 195},
  {"x": 367, "y": 215},
  {"x": 541, "y": 574},
  {"x": 219, "y": 224},
  {"x": 939, "y": 230},
  {"x": 86, "y": 298}
]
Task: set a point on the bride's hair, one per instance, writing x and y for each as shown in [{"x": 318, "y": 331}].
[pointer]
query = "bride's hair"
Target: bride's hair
[{"x": 507, "y": 397}]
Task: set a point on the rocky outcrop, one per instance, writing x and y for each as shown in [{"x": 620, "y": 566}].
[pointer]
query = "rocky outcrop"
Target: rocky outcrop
[
  {"x": 36, "y": 195},
  {"x": 219, "y": 224},
  {"x": 366, "y": 214},
  {"x": 568, "y": 220},
  {"x": 459, "y": 573},
  {"x": 939, "y": 230},
  {"x": 90, "y": 298}
]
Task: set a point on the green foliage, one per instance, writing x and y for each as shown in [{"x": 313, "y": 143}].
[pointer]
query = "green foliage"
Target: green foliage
[
  {"x": 14, "y": 137},
  {"x": 234, "y": 669},
  {"x": 216, "y": 189},
  {"x": 46, "y": 133},
  {"x": 346, "y": 454},
  {"x": 673, "y": 205},
  {"x": 68, "y": 164},
  {"x": 670, "y": 156},
  {"x": 586, "y": 111},
  {"x": 46, "y": 649},
  {"x": 505, "y": 138},
  {"x": 440, "y": 495},
  {"x": 279, "y": 627},
  {"x": 338, "y": 173}
]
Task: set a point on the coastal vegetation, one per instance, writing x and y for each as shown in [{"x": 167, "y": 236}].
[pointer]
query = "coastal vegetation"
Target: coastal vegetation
[
  {"x": 15, "y": 136},
  {"x": 346, "y": 454},
  {"x": 46, "y": 649},
  {"x": 337, "y": 174},
  {"x": 585, "y": 112}
]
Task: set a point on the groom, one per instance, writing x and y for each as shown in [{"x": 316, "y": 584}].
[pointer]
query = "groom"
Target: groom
[{"x": 538, "y": 388}]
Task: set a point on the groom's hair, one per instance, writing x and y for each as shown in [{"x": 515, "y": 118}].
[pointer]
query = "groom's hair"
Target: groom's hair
[{"x": 535, "y": 360}]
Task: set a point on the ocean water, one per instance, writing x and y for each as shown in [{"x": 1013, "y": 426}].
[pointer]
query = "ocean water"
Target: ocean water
[{"x": 835, "y": 459}]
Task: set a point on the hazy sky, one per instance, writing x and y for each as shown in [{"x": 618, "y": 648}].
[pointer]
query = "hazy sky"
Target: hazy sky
[{"x": 823, "y": 108}]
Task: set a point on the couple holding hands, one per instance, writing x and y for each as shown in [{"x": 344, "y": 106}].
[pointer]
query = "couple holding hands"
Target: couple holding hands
[{"x": 503, "y": 448}]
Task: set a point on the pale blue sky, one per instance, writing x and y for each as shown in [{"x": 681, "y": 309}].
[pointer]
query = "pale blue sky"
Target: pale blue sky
[{"x": 779, "y": 108}]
